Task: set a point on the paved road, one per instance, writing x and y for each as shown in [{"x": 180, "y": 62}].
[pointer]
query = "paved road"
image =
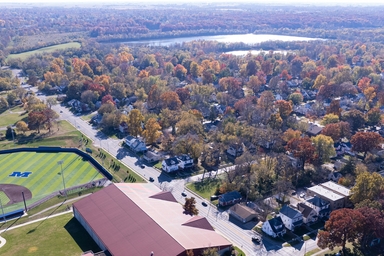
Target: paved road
[{"x": 219, "y": 220}]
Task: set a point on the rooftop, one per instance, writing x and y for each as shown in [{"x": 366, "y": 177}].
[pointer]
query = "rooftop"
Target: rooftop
[
  {"x": 336, "y": 188},
  {"x": 289, "y": 212},
  {"x": 135, "y": 219},
  {"x": 242, "y": 210},
  {"x": 322, "y": 191}
]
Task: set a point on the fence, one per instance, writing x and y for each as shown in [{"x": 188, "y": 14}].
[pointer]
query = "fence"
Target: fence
[
  {"x": 70, "y": 190},
  {"x": 93, "y": 161}
]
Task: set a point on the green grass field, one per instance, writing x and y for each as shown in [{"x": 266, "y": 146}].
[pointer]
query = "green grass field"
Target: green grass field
[
  {"x": 24, "y": 55},
  {"x": 46, "y": 173},
  {"x": 60, "y": 236}
]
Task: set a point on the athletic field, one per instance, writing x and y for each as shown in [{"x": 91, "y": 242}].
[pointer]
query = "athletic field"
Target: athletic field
[{"x": 39, "y": 174}]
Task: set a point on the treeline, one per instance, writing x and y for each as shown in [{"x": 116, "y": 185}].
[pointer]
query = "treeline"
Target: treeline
[{"x": 108, "y": 24}]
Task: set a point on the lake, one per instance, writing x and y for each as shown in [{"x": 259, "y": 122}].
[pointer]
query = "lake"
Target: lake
[
  {"x": 254, "y": 52},
  {"x": 244, "y": 38}
]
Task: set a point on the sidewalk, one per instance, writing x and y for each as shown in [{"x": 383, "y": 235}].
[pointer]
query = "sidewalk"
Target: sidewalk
[{"x": 34, "y": 221}]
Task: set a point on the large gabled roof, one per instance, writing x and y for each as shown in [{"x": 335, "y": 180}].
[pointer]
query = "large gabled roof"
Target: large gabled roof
[
  {"x": 135, "y": 219},
  {"x": 289, "y": 212}
]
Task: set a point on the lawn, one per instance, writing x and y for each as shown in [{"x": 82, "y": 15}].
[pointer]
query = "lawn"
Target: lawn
[
  {"x": 24, "y": 55},
  {"x": 12, "y": 116},
  {"x": 45, "y": 173},
  {"x": 62, "y": 235},
  {"x": 206, "y": 188}
]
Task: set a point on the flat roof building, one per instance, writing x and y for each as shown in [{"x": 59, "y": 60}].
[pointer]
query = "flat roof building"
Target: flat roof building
[
  {"x": 139, "y": 218},
  {"x": 335, "y": 194}
]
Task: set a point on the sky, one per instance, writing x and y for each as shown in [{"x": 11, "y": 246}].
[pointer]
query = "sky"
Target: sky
[{"x": 308, "y": 2}]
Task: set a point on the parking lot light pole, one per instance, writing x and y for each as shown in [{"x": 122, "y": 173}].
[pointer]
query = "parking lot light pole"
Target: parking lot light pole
[{"x": 62, "y": 175}]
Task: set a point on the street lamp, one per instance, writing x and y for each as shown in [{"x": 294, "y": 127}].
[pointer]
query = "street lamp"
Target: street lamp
[{"x": 62, "y": 175}]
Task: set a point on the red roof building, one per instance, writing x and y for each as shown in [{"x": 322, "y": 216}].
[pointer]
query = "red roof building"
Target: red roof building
[{"x": 139, "y": 219}]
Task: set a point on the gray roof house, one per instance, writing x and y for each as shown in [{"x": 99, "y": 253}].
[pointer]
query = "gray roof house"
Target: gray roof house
[
  {"x": 135, "y": 144},
  {"x": 321, "y": 206},
  {"x": 291, "y": 218},
  {"x": 230, "y": 198},
  {"x": 309, "y": 214}
]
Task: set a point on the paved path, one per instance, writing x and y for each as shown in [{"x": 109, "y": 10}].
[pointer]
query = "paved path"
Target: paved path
[
  {"x": 2, "y": 242},
  {"x": 57, "y": 205},
  {"x": 34, "y": 221}
]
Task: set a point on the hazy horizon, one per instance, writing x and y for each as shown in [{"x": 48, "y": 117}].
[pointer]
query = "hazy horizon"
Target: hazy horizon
[{"x": 292, "y": 2}]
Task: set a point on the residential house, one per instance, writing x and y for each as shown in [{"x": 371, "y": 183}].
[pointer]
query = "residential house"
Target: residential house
[
  {"x": 123, "y": 127},
  {"x": 334, "y": 176},
  {"x": 250, "y": 147},
  {"x": 170, "y": 165},
  {"x": 321, "y": 207},
  {"x": 337, "y": 195},
  {"x": 185, "y": 161},
  {"x": 235, "y": 149},
  {"x": 135, "y": 144},
  {"x": 309, "y": 214},
  {"x": 229, "y": 198},
  {"x": 151, "y": 156},
  {"x": 274, "y": 227},
  {"x": 314, "y": 129},
  {"x": 242, "y": 213},
  {"x": 291, "y": 218}
]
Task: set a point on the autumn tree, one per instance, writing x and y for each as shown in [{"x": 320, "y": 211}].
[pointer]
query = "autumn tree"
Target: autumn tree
[
  {"x": 169, "y": 118},
  {"x": 170, "y": 100},
  {"x": 330, "y": 119},
  {"x": 365, "y": 141},
  {"x": 337, "y": 130},
  {"x": 152, "y": 131},
  {"x": 291, "y": 134},
  {"x": 344, "y": 225},
  {"x": 320, "y": 80},
  {"x": 21, "y": 126},
  {"x": 302, "y": 149},
  {"x": 284, "y": 107},
  {"x": 107, "y": 107},
  {"x": 190, "y": 144},
  {"x": 135, "y": 119},
  {"x": 368, "y": 186},
  {"x": 190, "y": 206},
  {"x": 180, "y": 72},
  {"x": 296, "y": 98},
  {"x": 183, "y": 94},
  {"x": 275, "y": 121},
  {"x": 374, "y": 116},
  {"x": 324, "y": 148},
  {"x": 334, "y": 108},
  {"x": 210, "y": 252},
  {"x": 355, "y": 118},
  {"x": 36, "y": 120},
  {"x": 189, "y": 123},
  {"x": 254, "y": 84},
  {"x": 373, "y": 225}
]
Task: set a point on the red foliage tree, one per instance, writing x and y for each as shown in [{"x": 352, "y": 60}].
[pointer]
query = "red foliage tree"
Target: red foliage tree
[
  {"x": 183, "y": 94},
  {"x": 107, "y": 98},
  {"x": 285, "y": 108},
  {"x": 302, "y": 149},
  {"x": 365, "y": 141},
  {"x": 344, "y": 225},
  {"x": 170, "y": 100}
]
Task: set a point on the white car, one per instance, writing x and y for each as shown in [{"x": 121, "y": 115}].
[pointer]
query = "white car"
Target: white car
[{"x": 302, "y": 194}]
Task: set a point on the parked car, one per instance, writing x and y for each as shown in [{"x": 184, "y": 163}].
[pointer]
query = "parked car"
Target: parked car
[
  {"x": 183, "y": 194},
  {"x": 204, "y": 204},
  {"x": 302, "y": 194},
  {"x": 214, "y": 197},
  {"x": 142, "y": 166},
  {"x": 151, "y": 179},
  {"x": 256, "y": 239}
]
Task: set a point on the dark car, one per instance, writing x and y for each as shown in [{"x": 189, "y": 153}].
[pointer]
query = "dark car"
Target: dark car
[
  {"x": 204, "y": 204},
  {"x": 214, "y": 197},
  {"x": 256, "y": 239},
  {"x": 183, "y": 194},
  {"x": 151, "y": 179},
  {"x": 142, "y": 166}
]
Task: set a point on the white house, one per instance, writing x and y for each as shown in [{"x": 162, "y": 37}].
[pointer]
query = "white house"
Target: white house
[
  {"x": 309, "y": 214},
  {"x": 170, "y": 164},
  {"x": 185, "y": 161},
  {"x": 135, "y": 144},
  {"x": 152, "y": 156},
  {"x": 321, "y": 207},
  {"x": 274, "y": 227},
  {"x": 291, "y": 218}
]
